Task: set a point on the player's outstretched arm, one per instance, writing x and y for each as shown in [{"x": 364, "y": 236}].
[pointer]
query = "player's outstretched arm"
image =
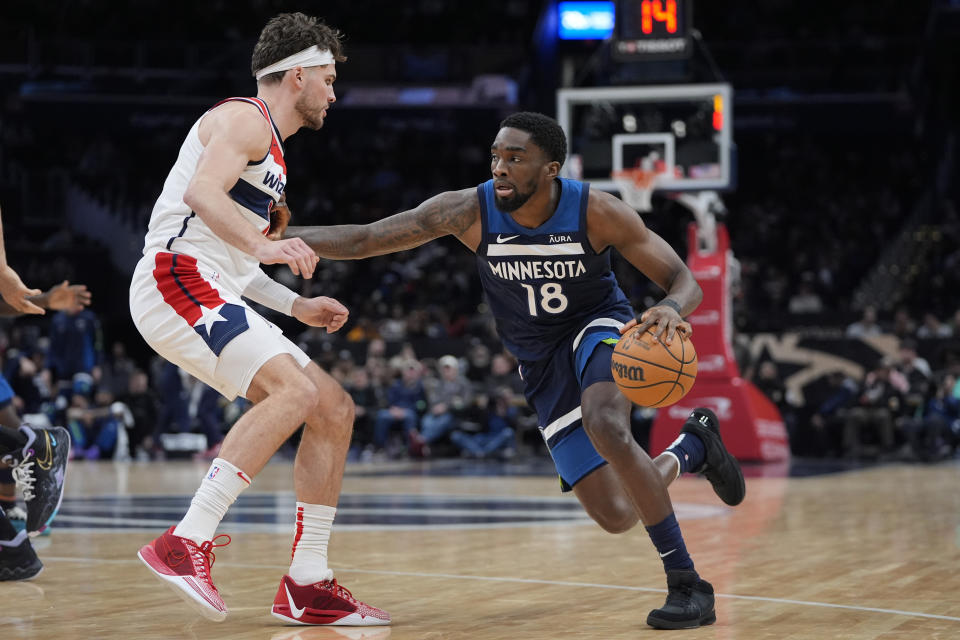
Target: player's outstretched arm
[
  {"x": 611, "y": 222},
  {"x": 233, "y": 135},
  {"x": 451, "y": 213},
  {"x": 64, "y": 296},
  {"x": 12, "y": 289}
]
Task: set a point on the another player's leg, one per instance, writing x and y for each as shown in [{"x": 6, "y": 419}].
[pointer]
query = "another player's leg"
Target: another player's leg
[
  {"x": 309, "y": 594},
  {"x": 183, "y": 555},
  {"x": 39, "y": 460}
]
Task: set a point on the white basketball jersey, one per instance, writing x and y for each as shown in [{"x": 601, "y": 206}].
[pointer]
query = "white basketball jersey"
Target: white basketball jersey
[{"x": 175, "y": 228}]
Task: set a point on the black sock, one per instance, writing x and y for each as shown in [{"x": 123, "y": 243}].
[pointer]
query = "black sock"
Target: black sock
[
  {"x": 11, "y": 441},
  {"x": 7, "y": 532},
  {"x": 668, "y": 540}
]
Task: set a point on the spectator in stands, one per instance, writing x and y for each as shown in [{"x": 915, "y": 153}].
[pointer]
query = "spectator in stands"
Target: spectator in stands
[
  {"x": 903, "y": 324},
  {"x": 93, "y": 423},
  {"x": 174, "y": 416},
  {"x": 367, "y": 399},
  {"x": 449, "y": 395},
  {"x": 30, "y": 379},
  {"x": 769, "y": 381},
  {"x": 144, "y": 407},
  {"x": 406, "y": 400},
  {"x": 917, "y": 371},
  {"x": 805, "y": 300},
  {"x": 932, "y": 328},
  {"x": 116, "y": 369},
  {"x": 364, "y": 329},
  {"x": 498, "y": 437},
  {"x": 954, "y": 323},
  {"x": 935, "y": 435},
  {"x": 76, "y": 344},
  {"x": 207, "y": 412},
  {"x": 504, "y": 374},
  {"x": 828, "y": 411},
  {"x": 478, "y": 362},
  {"x": 875, "y": 410},
  {"x": 867, "y": 325}
]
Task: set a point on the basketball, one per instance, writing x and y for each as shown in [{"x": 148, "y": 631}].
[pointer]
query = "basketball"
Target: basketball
[{"x": 650, "y": 372}]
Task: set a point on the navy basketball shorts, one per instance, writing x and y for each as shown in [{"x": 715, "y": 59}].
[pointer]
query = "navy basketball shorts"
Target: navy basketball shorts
[{"x": 553, "y": 386}]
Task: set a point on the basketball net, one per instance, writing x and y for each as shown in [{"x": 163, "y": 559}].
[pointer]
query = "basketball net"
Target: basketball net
[{"x": 636, "y": 186}]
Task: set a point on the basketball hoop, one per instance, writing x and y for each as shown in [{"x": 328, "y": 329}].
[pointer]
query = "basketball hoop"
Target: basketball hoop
[{"x": 636, "y": 187}]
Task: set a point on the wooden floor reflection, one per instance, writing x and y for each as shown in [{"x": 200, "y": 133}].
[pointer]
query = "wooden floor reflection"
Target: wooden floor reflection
[{"x": 863, "y": 554}]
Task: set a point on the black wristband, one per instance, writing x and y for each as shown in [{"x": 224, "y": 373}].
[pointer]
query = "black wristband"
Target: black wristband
[{"x": 667, "y": 302}]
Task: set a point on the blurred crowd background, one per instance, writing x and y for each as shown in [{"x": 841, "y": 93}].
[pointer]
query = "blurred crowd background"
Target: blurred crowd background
[{"x": 844, "y": 220}]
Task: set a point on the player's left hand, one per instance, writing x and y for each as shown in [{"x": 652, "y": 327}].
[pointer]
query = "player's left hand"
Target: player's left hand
[
  {"x": 320, "y": 312},
  {"x": 67, "y": 297},
  {"x": 279, "y": 219},
  {"x": 666, "y": 321}
]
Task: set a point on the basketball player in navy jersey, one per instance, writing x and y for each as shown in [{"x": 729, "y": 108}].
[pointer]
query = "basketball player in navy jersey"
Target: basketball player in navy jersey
[{"x": 542, "y": 245}]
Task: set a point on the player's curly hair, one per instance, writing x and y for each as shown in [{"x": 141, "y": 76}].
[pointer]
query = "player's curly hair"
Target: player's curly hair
[
  {"x": 288, "y": 33},
  {"x": 545, "y": 132}
]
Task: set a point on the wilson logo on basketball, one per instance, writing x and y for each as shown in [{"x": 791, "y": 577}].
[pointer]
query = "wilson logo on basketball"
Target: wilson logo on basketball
[{"x": 626, "y": 372}]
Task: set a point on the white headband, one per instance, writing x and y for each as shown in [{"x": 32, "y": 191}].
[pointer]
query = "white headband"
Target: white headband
[{"x": 310, "y": 57}]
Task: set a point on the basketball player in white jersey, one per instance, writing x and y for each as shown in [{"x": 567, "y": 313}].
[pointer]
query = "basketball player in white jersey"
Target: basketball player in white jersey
[{"x": 206, "y": 240}]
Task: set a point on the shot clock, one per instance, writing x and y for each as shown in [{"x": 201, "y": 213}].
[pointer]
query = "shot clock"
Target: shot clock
[{"x": 652, "y": 30}]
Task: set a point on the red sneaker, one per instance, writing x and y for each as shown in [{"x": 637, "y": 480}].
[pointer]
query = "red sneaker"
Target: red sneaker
[
  {"x": 185, "y": 568},
  {"x": 323, "y": 603}
]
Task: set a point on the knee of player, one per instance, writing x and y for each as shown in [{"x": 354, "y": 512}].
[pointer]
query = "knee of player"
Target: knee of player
[
  {"x": 302, "y": 393},
  {"x": 619, "y": 516},
  {"x": 345, "y": 408},
  {"x": 608, "y": 429}
]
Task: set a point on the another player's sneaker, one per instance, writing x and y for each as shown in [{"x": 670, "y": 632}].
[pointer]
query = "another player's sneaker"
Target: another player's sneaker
[
  {"x": 689, "y": 603},
  {"x": 719, "y": 467},
  {"x": 18, "y": 560},
  {"x": 323, "y": 603},
  {"x": 39, "y": 474},
  {"x": 185, "y": 567}
]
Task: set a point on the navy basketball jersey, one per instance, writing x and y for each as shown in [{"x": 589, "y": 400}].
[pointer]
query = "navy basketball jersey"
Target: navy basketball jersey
[{"x": 544, "y": 283}]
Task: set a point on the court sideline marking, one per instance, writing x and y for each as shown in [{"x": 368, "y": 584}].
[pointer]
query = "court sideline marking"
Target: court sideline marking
[{"x": 559, "y": 583}]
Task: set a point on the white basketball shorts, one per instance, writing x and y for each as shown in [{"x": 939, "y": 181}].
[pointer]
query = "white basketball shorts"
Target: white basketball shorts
[{"x": 187, "y": 317}]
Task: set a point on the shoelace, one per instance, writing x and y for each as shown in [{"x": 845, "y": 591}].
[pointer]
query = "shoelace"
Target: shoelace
[
  {"x": 23, "y": 476},
  {"x": 202, "y": 556},
  {"x": 341, "y": 591}
]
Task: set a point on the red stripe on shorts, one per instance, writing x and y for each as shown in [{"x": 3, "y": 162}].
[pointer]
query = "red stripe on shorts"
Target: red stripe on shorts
[{"x": 182, "y": 286}]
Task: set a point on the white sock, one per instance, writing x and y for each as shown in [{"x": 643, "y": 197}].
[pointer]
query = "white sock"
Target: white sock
[
  {"x": 311, "y": 535},
  {"x": 220, "y": 487}
]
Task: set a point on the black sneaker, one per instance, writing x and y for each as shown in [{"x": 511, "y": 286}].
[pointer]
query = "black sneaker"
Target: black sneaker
[
  {"x": 40, "y": 474},
  {"x": 689, "y": 603},
  {"x": 18, "y": 560},
  {"x": 719, "y": 467}
]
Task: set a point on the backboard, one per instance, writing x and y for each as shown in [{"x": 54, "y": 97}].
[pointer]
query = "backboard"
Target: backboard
[{"x": 682, "y": 131}]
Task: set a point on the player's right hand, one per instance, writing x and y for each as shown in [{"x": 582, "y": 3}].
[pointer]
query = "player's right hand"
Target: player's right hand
[
  {"x": 292, "y": 252},
  {"x": 15, "y": 293}
]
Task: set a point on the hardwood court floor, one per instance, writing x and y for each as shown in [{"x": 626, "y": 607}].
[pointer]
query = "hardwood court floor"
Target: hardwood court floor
[{"x": 863, "y": 554}]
